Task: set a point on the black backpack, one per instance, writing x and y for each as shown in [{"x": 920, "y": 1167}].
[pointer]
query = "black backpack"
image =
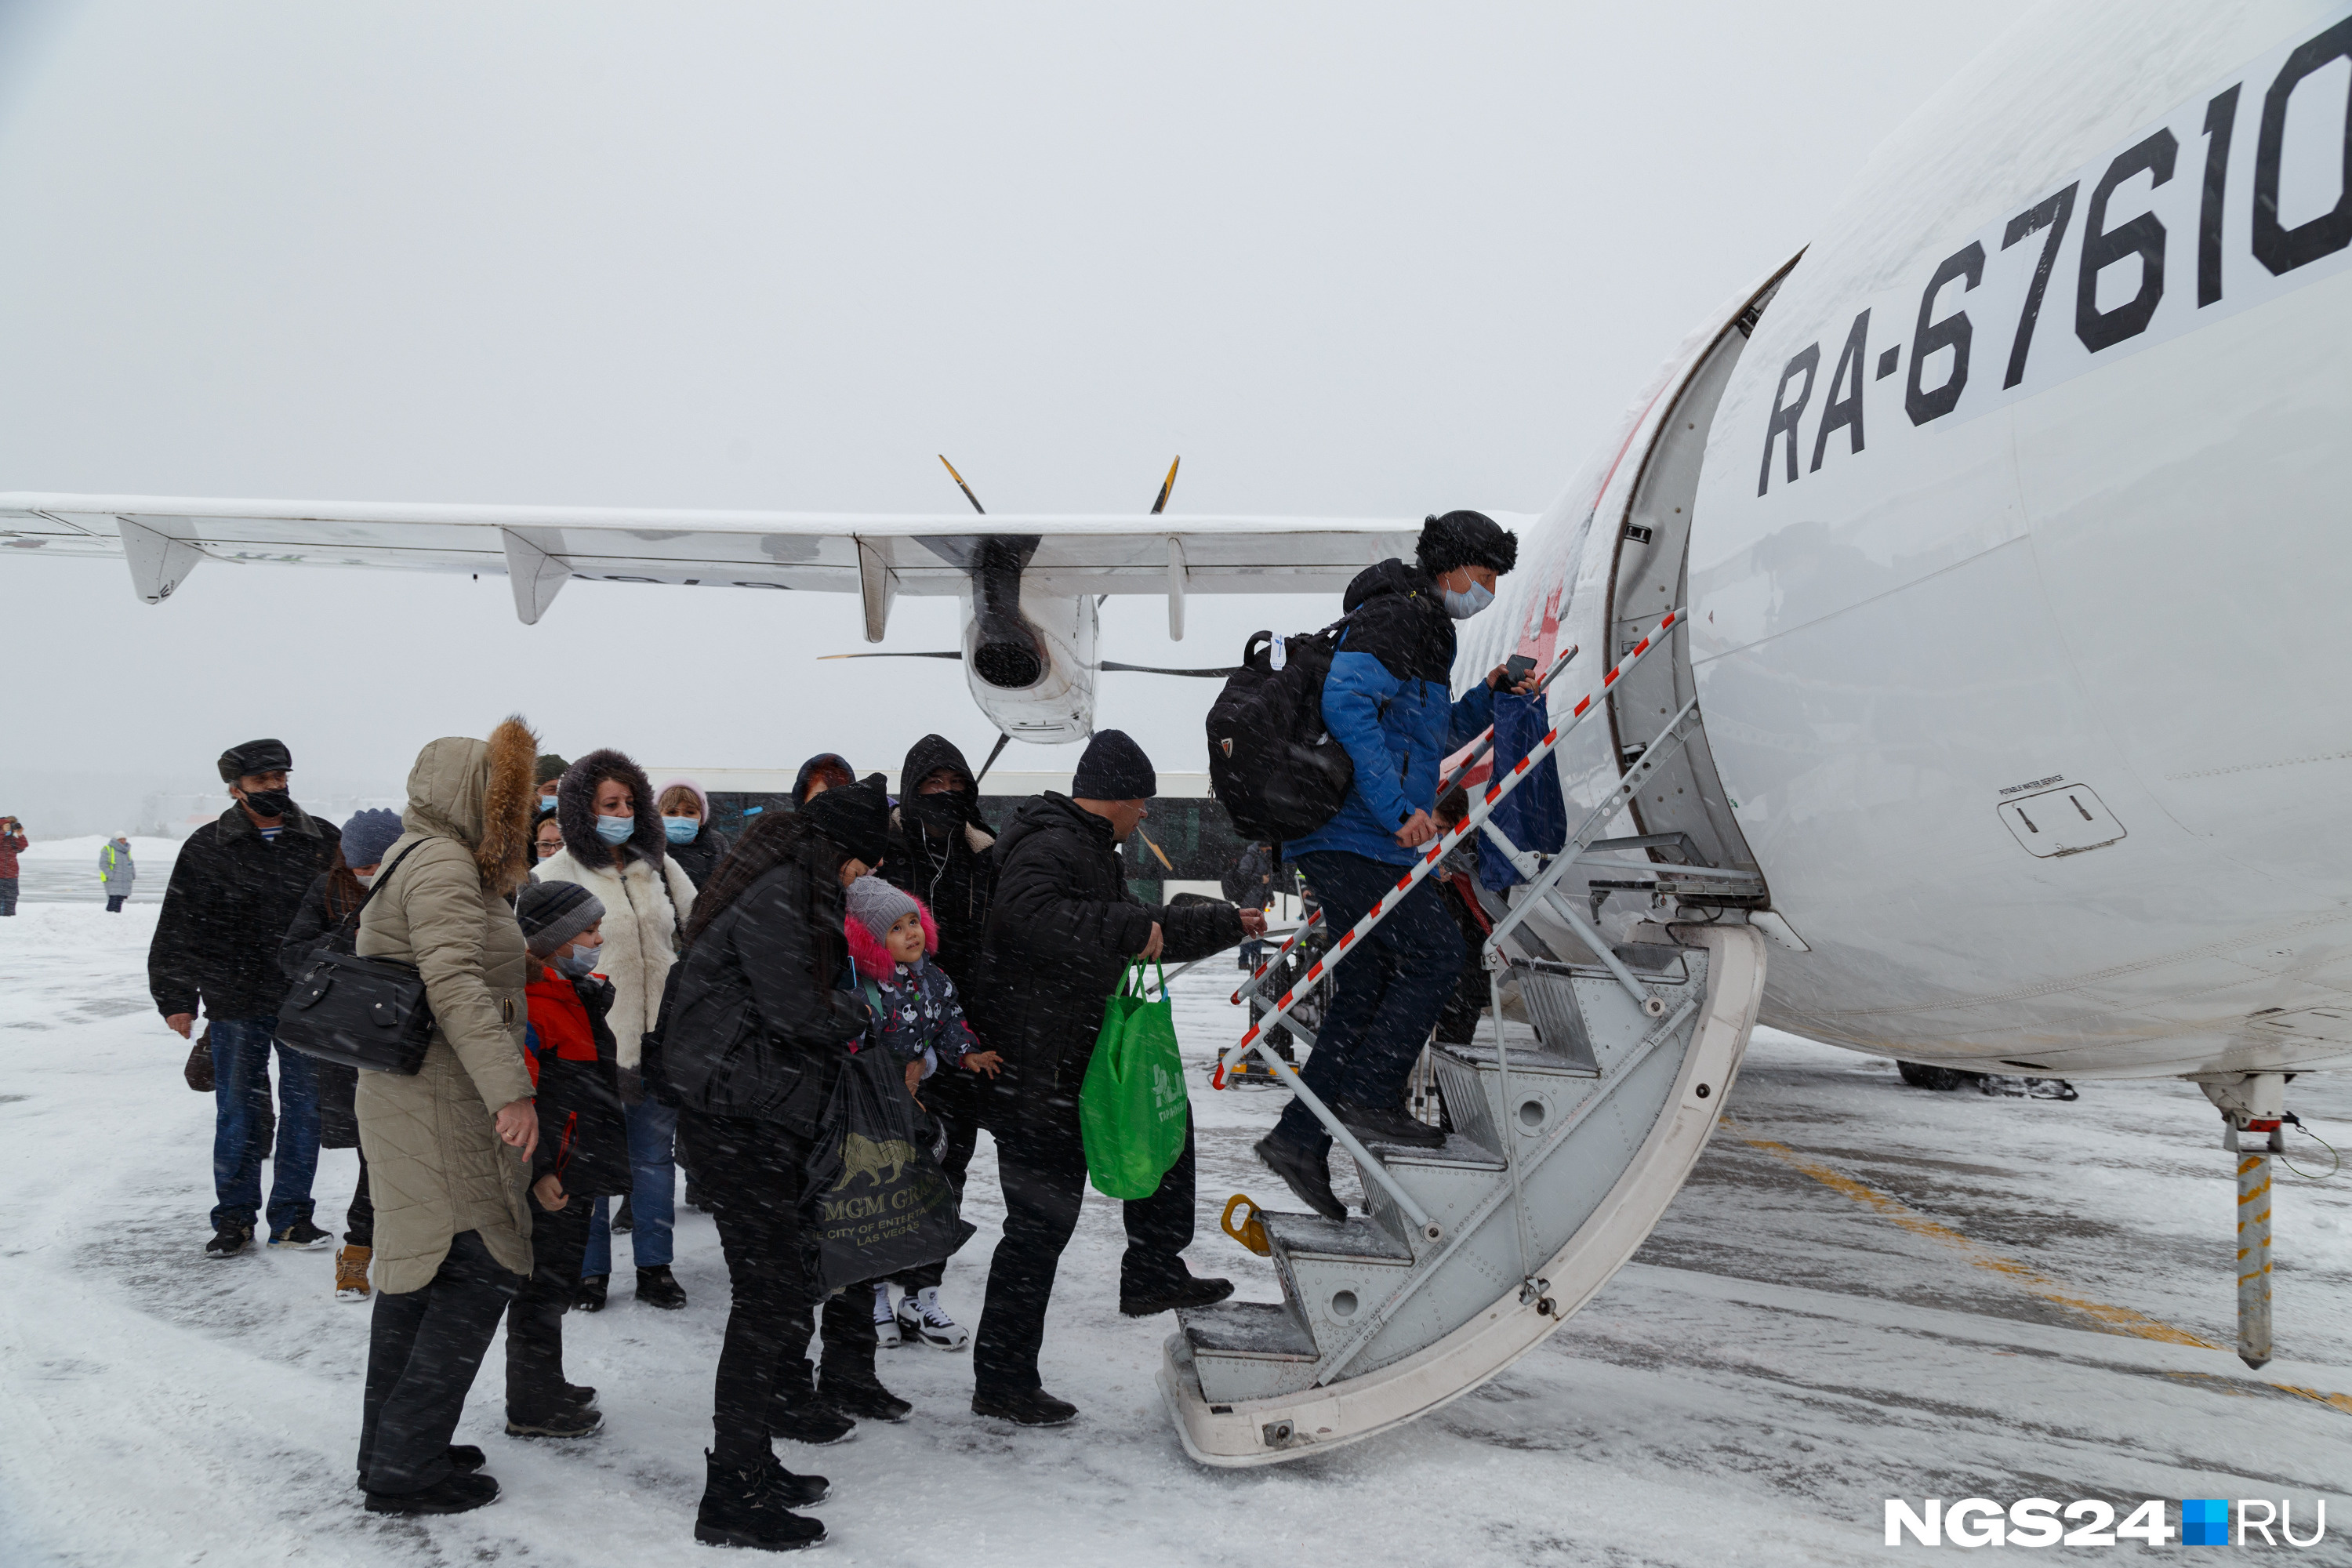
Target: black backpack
[{"x": 1277, "y": 770}]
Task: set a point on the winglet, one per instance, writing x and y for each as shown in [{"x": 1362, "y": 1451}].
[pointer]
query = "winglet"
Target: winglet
[{"x": 1166, "y": 485}]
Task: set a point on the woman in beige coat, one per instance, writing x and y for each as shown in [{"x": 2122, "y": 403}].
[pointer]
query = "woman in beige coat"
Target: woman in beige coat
[{"x": 448, "y": 1151}]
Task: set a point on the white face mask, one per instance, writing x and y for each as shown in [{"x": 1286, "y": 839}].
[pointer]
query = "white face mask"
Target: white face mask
[
  {"x": 1464, "y": 602},
  {"x": 366, "y": 878}
]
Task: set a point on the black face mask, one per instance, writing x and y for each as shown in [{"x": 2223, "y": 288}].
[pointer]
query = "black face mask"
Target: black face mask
[
  {"x": 270, "y": 803},
  {"x": 938, "y": 816}
]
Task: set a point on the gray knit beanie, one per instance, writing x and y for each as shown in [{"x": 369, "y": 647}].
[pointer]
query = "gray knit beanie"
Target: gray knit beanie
[
  {"x": 552, "y": 913},
  {"x": 876, "y": 905}
]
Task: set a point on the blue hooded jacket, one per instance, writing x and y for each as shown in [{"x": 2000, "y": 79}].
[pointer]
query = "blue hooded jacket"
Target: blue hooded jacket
[{"x": 1388, "y": 700}]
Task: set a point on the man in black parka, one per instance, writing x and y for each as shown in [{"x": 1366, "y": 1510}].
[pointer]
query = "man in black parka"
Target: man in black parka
[
  {"x": 1060, "y": 934},
  {"x": 237, "y": 886}
]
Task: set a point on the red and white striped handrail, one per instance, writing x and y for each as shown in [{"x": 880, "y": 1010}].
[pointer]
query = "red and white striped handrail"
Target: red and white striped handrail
[
  {"x": 1470, "y": 757},
  {"x": 1479, "y": 811}
]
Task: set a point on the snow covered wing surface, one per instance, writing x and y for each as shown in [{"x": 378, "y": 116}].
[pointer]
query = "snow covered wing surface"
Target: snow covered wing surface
[{"x": 164, "y": 536}]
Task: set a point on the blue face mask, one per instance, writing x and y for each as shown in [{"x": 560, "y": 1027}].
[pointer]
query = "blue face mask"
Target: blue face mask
[
  {"x": 616, "y": 829},
  {"x": 1465, "y": 602},
  {"x": 577, "y": 963},
  {"x": 681, "y": 829}
]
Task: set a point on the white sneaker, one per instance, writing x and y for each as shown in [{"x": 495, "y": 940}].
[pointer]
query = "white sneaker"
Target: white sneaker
[
  {"x": 885, "y": 1326},
  {"x": 920, "y": 1318}
]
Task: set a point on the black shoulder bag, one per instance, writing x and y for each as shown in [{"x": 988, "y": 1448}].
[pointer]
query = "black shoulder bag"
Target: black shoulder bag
[{"x": 361, "y": 1012}]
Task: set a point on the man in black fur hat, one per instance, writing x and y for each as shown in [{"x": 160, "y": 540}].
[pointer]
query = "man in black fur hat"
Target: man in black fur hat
[{"x": 237, "y": 886}]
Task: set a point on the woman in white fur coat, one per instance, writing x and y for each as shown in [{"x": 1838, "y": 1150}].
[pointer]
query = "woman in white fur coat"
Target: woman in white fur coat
[{"x": 614, "y": 846}]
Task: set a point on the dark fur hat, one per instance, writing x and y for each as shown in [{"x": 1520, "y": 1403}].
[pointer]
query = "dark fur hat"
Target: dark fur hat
[{"x": 575, "y": 809}]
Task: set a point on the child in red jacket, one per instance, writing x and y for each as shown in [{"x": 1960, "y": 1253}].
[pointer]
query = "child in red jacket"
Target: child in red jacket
[{"x": 583, "y": 1154}]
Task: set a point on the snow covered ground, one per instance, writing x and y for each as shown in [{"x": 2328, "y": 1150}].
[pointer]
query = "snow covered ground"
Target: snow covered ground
[
  {"x": 1864, "y": 1293},
  {"x": 65, "y": 870}
]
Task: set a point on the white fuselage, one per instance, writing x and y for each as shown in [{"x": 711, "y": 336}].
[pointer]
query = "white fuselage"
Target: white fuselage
[{"x": 2030, "y": 693}]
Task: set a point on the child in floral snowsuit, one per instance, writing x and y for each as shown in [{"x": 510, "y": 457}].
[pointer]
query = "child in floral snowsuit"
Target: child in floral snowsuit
[{"x": 918, "y": 1020}]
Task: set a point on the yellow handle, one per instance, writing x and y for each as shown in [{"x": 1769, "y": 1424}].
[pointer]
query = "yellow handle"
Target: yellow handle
[{"x": 1251, "y": 1232}]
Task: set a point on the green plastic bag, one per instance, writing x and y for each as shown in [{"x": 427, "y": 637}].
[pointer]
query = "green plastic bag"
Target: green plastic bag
[{"x": 1133, "y": 1108}]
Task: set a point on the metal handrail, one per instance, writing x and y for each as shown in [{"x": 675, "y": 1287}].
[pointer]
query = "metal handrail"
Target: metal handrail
[
  {"x": 1254, "y": 1039},
  {"x": 1479, "y": 748}
]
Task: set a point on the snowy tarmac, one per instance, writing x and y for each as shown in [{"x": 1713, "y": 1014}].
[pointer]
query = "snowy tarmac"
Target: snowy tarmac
[{"x": 1867, "y": 1291}]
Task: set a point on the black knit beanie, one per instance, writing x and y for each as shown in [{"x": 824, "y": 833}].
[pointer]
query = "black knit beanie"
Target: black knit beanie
[
  {"x": 1114, "y": 768},
  {"x": 1466, "y": 539}
]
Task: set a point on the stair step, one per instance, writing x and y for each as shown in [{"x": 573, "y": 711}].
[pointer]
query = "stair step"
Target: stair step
[
  {"x": 1264, "y": 1331},
  {"x": 1349, "y": 1240},
  {"x": 1458, "y": 1151},
  {"x": 1526, "y": 1057}
]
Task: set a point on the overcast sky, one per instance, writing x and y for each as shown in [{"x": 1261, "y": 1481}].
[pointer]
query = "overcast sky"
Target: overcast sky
[{"x": 1361, "y": 258}]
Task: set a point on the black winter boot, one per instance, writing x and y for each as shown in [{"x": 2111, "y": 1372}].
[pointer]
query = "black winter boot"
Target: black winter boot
[
  {"x": 797, "y": 1413},
  {"x": 1193, "y": 1291},
  {"x": 741, "y": 1508},
  {"x": 657, "y": 1287},
  {"x": 861, "y": 1395},
  {"x": 591, "y": 1295},
  {"x": 456, "y": 1492},
  {"x": 1032, "y": 1407}
]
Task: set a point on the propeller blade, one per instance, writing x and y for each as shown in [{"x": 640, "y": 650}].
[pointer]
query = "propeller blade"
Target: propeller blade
[
  {"x": 1165, "y": 486},
  {"x": 826, "y": 656},
  {"x": 993, "y": 752},
  {"x": 963, "y": 486},
  {"x": 1155, "y": 849},
  {"x": 1127, "y": 668}
]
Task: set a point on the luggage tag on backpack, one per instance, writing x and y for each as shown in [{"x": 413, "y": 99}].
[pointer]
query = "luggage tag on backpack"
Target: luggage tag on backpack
[{"x": 1278, "y": 655}]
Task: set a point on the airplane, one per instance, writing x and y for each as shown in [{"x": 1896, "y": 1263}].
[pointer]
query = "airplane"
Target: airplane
[{"x": 1992, "y": 553}]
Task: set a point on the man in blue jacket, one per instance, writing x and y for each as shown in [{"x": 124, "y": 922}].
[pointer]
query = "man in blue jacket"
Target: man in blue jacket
[{"x": 1388, "y": 699}]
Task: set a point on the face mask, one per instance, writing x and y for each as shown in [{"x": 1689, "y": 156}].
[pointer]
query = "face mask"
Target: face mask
[
  {"x": 940, "y": 813},
  {"x": 578, "y": 965},
  {"x": 270, "y": 803},
  {"x": 367, "y": 879},
  {"x": 1467, "y": 602},
  {"x": 616, "y": 829},
  {"x": 681, "y": 829}
]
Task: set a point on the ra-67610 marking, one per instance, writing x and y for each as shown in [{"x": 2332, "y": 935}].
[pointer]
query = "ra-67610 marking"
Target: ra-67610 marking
[{"x": 2238, "y": 196}]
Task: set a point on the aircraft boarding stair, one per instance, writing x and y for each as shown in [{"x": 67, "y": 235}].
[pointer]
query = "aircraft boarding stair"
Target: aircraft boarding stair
[{"x": 1571, "y": 1133}]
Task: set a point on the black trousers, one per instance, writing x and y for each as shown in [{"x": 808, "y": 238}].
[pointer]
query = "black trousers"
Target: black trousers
[
  {"x": 535, "y": 1322},
  {"x": 424, "y": 1349},
  {"x": 1041, "y": 1161},
  {"x": 752, "y": 1171},
  {"x": 963, "y": 1136},
  {"x": 359, "y": 1220}
]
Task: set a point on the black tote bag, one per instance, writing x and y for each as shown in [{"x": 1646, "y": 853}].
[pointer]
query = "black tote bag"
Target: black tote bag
[
  {"x": 876, "y": 1202},
  {"x": 359, "y": 1012}
]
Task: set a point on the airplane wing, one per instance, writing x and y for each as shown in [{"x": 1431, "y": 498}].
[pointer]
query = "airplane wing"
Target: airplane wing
[{"x": 878, "y": 556}]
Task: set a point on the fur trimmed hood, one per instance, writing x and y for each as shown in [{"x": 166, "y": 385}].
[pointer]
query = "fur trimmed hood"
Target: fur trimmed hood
[
  {"x": 575, "y": 809},
  {"x": 479, "y": 793},
  {"x": 874, "y": 959}
]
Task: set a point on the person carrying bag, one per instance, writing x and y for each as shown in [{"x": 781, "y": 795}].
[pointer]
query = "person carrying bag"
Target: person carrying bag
[{"x": 752, "y": 1045}]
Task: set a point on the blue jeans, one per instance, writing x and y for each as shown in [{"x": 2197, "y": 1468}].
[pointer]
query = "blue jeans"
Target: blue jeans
[
  {"x": 1387, "y": 994},
  {"x": 653, "y": 1193},
  {"x": 241, "y": 1124}
]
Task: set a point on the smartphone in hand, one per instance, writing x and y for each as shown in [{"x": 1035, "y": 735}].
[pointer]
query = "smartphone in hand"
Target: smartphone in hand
[{"x": 1517, "y": 669}]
